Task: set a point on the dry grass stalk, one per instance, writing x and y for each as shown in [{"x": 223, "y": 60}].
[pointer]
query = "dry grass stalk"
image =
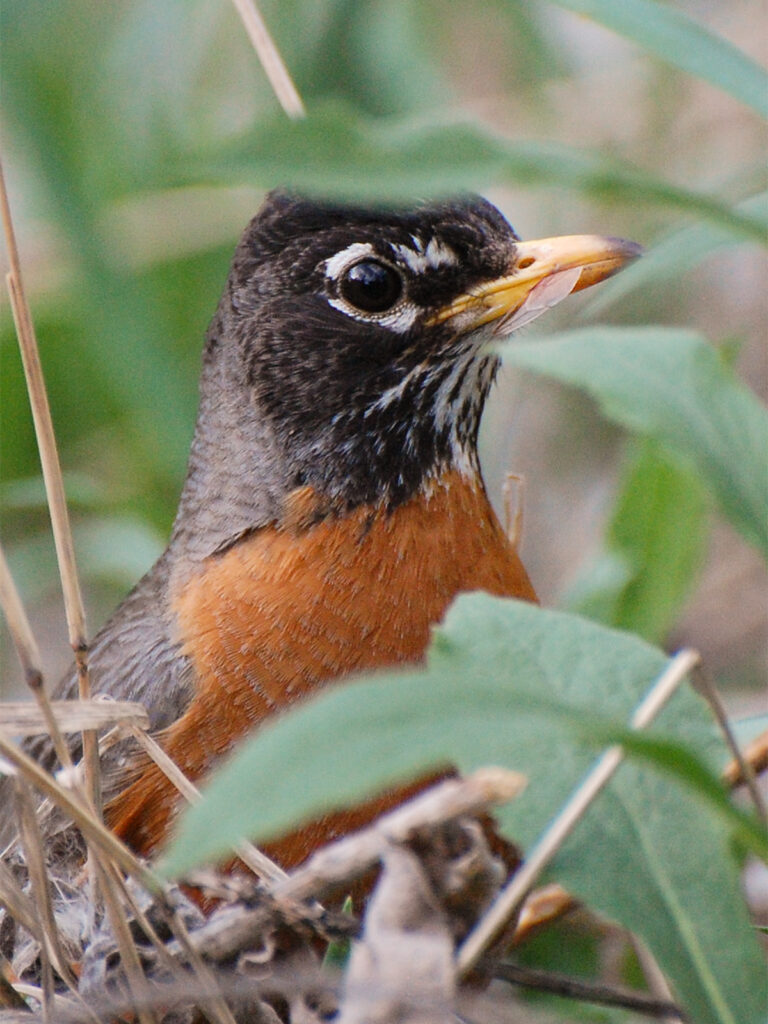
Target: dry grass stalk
[
  {"x": 129, "y": 957},
  {"x": 18, "y": 904},
  {"x": 29, "y": 656},
  {"x": 19, "y": 718},
  {"x": 50, "y": 948},
  {"x": 54, "y": 485},
  {"x": 18, "y": 625},
  {"x": 755, "y": 754},
  {"x": 26, "y": 914},
  {"x": 746, "y": 772},
  {"x": 217, "y": 1012},
  {"x": 34, "y": 855},
  {"x": 510, "y": 899},
  {"x": 258, "y": 862},
  {"x": 93, "y": 830},
  {"x": 270, "y": 58},
  {"x": 145, "y": 924}
]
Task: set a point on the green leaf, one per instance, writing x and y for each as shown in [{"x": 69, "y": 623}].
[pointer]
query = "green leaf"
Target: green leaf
[
  {"x": 337, "y": 953},
  {"x": 29, "y": 493},
  {"x": 336, "y": 151},
  {"x": 670, "y": 385},
  {"x": 674, "y": 758},
  {"x": 510, "y": 684},
  {"x": 674, "y": 255},
  {"x": 749, "y": 728},
  {"x": 668, "y": 33},
  {"x": 596, "y": 591},
  {"x": 118, "y": 550},
  {"x": 657, "y": 533}
]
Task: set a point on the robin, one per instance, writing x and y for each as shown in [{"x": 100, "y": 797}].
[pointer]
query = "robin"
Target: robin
[{"x": 334, "y": 504}]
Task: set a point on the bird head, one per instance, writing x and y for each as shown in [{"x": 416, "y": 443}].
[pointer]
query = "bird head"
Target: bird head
[{"x": 363, "y": 336}]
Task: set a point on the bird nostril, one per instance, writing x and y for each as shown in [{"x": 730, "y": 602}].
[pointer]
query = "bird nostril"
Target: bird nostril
[{"x": 526, "y": 262}]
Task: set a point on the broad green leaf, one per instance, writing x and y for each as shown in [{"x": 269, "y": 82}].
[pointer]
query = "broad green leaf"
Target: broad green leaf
[
  {"x": 671, "y": 385},
  {"x": 657, "y": 532},
  {"x": 674, "y": 255},
  {"x": 672, "y": 757},
  {"x": 572, "y": 948},
  {"x": 665, "y": 31},
  {"x": 372, "y": 52},
  {"x": 510, "y": 684},
  {"x": 337, "y": 152}
]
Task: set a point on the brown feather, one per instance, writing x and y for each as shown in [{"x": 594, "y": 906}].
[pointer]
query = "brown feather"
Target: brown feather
[{"x": 294, "y": 607}]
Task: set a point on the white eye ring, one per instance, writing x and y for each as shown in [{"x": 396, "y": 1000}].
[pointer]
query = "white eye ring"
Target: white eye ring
[
  {"x": 400, "y": 317},
  {"x": 340, "y": 261}
]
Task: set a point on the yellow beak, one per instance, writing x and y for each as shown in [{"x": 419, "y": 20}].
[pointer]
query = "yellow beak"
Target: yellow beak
[{"x": 545, "y": 271}]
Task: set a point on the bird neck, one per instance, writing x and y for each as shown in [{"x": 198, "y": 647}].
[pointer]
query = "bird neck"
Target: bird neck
[{"x": 390, "y": 439}]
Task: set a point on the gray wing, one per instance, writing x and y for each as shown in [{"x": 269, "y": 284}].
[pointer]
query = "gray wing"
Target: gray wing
[{"x": 134, "y": 657}]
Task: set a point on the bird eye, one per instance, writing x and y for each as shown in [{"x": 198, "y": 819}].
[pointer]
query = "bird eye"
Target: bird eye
[{"x": 371, "y": 286}]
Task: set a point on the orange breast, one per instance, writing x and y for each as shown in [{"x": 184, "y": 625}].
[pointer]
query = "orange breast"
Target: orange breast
[{"x": 292, "y": 608}]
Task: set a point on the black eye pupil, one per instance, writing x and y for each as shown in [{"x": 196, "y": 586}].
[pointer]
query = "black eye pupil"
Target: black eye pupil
[{"x": 371, "y": 286}]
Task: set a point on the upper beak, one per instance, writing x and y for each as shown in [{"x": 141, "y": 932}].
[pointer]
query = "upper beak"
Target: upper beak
[{"x": 544, "y": 272}]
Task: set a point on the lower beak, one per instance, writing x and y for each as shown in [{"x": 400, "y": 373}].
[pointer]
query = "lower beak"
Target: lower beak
[{"x": 545, "y": 271}]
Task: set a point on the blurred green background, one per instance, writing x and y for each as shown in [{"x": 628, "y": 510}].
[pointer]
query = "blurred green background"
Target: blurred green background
[{"x": 139, "y": 138}]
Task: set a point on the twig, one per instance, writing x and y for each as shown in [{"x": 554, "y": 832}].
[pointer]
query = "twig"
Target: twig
[
  {"x": 218, "y": 1010},
  {"x": 584, "y": 991},
  {"x": 708, "y": 690},
  {"x": 355, "y": 854},
  {"x": 755, "y": 754},
  {"x": 129, "y": 957},
  {"x": 348, "y": 858},
  {"x": 50, "y": 948},
  {"x": 218, "y": 1015},
  {"x": 509, "y": 900},
  {"x": 93, "y": 829},
  {"x": 258, "y": 862},
  {"x": 54, "y": 485},
  {"x": 270, "y": 58}
]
